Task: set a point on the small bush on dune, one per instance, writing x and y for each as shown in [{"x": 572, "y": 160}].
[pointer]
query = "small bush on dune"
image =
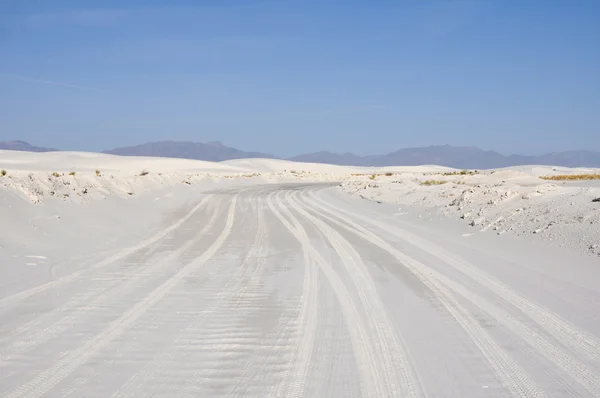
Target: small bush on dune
[
  {"x": 388, "y": 174},
  {"x": 372, "y": 176},
  {"x": 55, "y": 174},
  {"x": 144, "y": 173},
  {"x": 3, "y": 172},
  {"x": 433, "y": 182},
  {"x": 97, "y": 173},
  {"x": 461, "y": 173},
  {"x": 72, "y": 173},
  {"x": 571, "y": 177}
]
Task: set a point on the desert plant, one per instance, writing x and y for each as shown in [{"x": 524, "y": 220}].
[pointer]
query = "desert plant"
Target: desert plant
[
  {"x": 388, "y": 174},
  {"x": 97, "y": 173},
  {"x": 72, "y": 173},
  {"x": 571, "y": 177},
  {"x": 55, "y": 174},
  {"x": 460, "y": 173},
  {"x": 372, "y": 176},
  {"x": 3, "y": 172},
  {"x": 144, "y": 173},
  {"x": 433, "y": 182}
]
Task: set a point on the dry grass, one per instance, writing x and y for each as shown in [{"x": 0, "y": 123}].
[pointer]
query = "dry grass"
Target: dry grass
[
  {"x": 571, "y": 177},
  {"x": 461, "y": 173},
  {"x": 388, "y": 174},
  {"x": 433, "y": 182},
  {"x": 3, "y": 173},
  {"x": 55, "y": 174}
]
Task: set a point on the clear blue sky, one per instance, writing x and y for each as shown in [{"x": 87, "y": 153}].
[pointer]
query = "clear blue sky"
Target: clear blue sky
[{"x": 289, "y": 77}]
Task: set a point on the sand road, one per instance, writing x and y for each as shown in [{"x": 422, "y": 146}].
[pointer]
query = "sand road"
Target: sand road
[{"x": 297, "y": 291}]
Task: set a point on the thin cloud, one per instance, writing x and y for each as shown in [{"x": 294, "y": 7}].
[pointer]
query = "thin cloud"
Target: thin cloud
[
  {"x": 95, "y": 18},
  {"x": 52, "y": 82}
]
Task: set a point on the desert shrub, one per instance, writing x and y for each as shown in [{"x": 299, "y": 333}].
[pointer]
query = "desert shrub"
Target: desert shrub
[
  {"x": 461, "y": 173},
  {"x": 571, "y": 177},
  {"x": 433, "y": 182},
  {"x": 3, "y": 173},
  {"x": 97, "y": 173}
]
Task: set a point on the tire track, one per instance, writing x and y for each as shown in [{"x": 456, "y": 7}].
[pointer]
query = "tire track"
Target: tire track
[
  {"x": 118, "y": 256},
  {"x": 395, "y": 361},
  {"x": 372, "y": 385},
  {"x": 561, "y": 329},
  {"x": 47, "y": 379},
  {"x": 508, "y": 372},
  {"x": 240, "y": 291},
  {"x": 295, "y": 376},
  {"x": 92, "y": 299}
]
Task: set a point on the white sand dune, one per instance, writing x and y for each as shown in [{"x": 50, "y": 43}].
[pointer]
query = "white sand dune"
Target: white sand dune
[{"x": 260, "y": 277}]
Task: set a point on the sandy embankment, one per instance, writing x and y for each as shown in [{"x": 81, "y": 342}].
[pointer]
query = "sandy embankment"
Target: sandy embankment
[
  {"x": 512, "y": 200},
  {"x": 81, "y": 177}
]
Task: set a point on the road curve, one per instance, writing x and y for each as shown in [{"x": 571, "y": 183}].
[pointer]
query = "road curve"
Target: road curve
[{"x": 296, "y": 291}]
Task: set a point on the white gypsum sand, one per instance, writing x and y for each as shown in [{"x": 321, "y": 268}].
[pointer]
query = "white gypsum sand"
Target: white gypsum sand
[
  {"x": 513, "y": 199},
  {"x": 259, "y": 277}
]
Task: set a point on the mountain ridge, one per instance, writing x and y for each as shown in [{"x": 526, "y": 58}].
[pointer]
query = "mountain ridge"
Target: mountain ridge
[{"x": 442, "y": 155}]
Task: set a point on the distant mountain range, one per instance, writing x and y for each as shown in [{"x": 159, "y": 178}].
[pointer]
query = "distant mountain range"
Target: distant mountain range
[
  {"x": 23, "y": 146},
  {"x": 212, "y": 151},
  {"x": 442, "y": 155}
]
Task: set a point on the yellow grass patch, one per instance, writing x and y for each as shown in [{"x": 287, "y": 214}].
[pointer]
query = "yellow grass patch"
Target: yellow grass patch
[
  {"x": 433, "y": 182},
  {"x": 571, "y": 177}
]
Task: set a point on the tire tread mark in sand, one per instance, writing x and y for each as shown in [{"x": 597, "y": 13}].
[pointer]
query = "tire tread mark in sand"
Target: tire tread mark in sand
[
  {"x": 398, "y": 372},
  {"x": 116, "y": 257},
  {"x": 294, "y": 379},
  {"x": 91, "y": 300},
  {"x": 561, "y": 329},
  {"x": 47, "y": 379},
  {"x": 371, "y": 384},
  {"x": 238, "y": 285},
  {"x": 553, "y": 325},
  {"x": 237, "y": 282},
  {"x": 509, "y": 373},
  {"x": 276, "y": 338}
]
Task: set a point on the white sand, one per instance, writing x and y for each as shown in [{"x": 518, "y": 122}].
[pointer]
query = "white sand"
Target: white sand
[
  {"x": 222, "y": 279},
  {"x": 512, "y": 200}
]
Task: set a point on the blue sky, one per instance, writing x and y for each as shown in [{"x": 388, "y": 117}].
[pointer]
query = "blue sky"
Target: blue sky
[{"x": 293, "y": 76}]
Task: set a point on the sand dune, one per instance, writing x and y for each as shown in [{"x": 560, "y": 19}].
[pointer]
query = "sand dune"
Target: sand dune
[
  {"x": 272, "y": 278},
  {"x": 513, "y": 199}
]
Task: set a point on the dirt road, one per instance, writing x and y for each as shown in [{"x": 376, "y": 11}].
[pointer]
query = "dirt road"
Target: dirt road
[{"x": 291, "y": 291}]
